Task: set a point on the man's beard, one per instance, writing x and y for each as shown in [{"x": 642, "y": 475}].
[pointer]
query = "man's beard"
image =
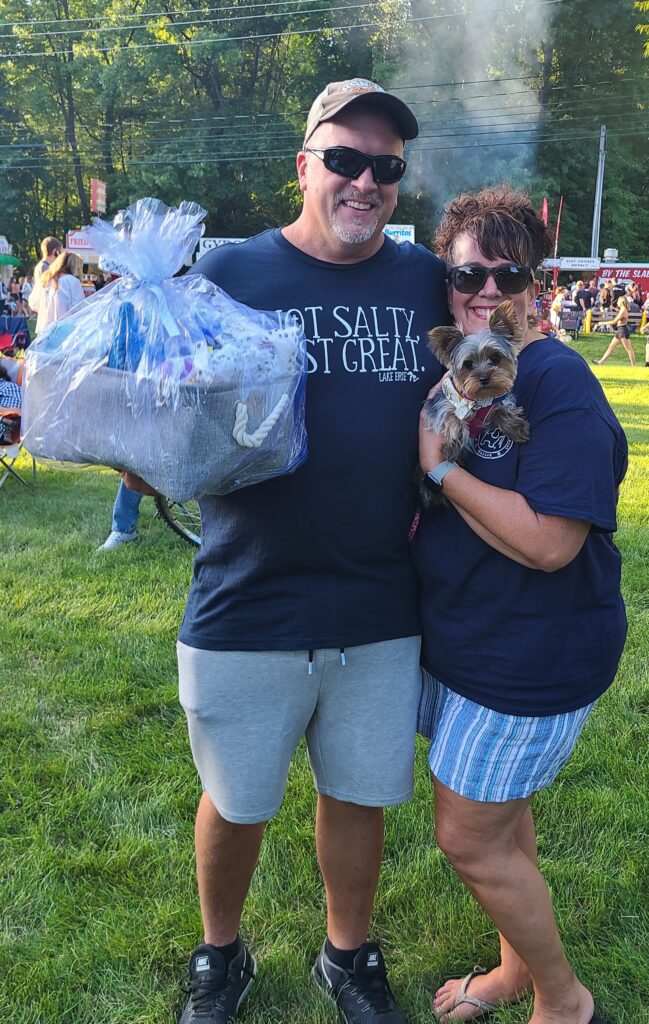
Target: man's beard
[{"x": 363, "y": 232}]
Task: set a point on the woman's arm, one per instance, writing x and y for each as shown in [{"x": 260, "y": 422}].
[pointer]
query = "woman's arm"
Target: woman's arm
[{"x": 503, "y": 519}]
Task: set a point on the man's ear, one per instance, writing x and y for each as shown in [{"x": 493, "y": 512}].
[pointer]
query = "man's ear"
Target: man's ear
[{"x": 301, "y": 170}]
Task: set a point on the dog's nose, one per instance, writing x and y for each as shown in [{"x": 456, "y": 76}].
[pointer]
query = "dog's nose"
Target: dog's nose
[{"x": 484, "y": 381}]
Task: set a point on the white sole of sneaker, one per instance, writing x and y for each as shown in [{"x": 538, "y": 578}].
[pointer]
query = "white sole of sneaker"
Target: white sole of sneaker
[
  {"x": 249, "y": 985},
  {"x": 327, "y": 991}
]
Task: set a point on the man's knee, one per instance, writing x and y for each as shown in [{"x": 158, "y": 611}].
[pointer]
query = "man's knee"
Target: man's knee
[{"x": 210, "y": 819}]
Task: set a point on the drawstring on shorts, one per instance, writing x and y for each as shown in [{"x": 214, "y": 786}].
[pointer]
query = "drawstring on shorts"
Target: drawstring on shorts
[{"x": 343, "y": 660}]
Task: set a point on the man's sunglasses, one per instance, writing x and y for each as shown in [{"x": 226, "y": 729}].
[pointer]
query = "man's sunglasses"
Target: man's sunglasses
[
  {"x": 350, "y": 163},
  {"x": 509, "y": 277}
]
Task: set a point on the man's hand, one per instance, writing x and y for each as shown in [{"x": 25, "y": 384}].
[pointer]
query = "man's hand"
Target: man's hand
[{"x": 136, "y": 483}]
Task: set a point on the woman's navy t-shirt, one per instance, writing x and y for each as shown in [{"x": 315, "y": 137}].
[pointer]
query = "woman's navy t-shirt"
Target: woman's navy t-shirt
[
  {"x": 319, "y": 558},
  {"x": 518, "y": 640}
]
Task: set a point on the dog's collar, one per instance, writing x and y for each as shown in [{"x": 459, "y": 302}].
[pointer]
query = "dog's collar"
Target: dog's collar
[{"x": 466, "y": 408}]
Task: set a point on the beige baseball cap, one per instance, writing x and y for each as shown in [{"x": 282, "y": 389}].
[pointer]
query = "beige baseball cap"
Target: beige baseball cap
[{"x": 338, "y": 95}]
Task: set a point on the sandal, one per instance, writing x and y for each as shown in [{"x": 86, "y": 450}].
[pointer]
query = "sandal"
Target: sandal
[{"x": 464, "y": 997}]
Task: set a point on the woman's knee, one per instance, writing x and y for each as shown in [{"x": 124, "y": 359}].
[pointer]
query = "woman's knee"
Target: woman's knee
[
  {"x": 461, "y": 847},
  {"x": 475, "y": 854}
]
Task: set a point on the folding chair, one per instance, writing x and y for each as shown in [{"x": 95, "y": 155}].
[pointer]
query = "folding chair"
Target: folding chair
[{"x": 9, "y": 454}]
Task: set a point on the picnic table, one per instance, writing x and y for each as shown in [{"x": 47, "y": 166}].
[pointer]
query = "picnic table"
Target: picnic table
[{"x": 592, "y": 317}]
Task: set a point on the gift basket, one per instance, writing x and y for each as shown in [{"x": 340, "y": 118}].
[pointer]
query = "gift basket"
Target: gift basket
[{"x": 168, "y": 378}]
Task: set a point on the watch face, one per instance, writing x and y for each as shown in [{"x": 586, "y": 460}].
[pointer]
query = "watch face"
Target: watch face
[{"x": 431, "y": 485}]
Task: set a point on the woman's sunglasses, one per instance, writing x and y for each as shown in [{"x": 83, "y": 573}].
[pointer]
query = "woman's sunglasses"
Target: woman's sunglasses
[
  {"x": 350, "y": 163},
  {"x": 510, "y": 278}
]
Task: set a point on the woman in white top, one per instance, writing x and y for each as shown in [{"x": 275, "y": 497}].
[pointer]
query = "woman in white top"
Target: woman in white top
[{"x": 58, "y": 289}]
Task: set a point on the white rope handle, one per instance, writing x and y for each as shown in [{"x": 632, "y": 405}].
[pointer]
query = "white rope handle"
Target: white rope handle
[{"x": 240, "y": 434}]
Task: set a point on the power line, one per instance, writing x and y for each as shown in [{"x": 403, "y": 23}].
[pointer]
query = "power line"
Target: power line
[
  {"x": 189, "y": 24},
  {"x": 100, "y": 150},
  {"x": 167, "y": 122},
  {"x": 154, "y": 14},
  {"x": 417, "y": 150},
  {"x": 514, "y": 114},
  {"x": 288, "y": 33}
]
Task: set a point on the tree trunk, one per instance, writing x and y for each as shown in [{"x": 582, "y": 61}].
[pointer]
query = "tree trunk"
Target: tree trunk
[{"x": 70, "y": 122}]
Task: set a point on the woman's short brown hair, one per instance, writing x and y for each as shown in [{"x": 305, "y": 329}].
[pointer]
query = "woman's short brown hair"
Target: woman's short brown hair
[{"x": 501, "y": 220}]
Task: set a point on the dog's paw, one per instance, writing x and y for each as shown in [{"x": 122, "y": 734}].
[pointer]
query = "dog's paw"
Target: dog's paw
[{"x": 512, "y": 423}]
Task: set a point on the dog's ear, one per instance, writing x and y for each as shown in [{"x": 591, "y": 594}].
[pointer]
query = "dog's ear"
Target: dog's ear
[
  {"x": 442, "y": 340},
  {"x": 503, "y": 321}
]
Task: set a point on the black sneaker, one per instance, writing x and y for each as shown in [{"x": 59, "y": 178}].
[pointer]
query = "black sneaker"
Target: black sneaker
[
  {"x": 362, "y": 995},
  {"x": 216, "y": 991}
]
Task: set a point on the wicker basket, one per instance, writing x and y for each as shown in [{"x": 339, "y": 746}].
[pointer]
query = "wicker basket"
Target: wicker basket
[{"x": 182, "y": 452}]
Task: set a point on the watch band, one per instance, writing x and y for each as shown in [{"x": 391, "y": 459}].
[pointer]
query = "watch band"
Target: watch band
[{"x": 433, "y": 479}]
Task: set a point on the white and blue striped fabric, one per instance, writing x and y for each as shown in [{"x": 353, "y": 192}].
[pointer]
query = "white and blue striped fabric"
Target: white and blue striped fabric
[{"x": 488, "y": 756}]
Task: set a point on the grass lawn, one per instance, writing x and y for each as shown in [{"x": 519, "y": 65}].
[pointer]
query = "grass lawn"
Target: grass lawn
[{"x": 98, "y": 909}]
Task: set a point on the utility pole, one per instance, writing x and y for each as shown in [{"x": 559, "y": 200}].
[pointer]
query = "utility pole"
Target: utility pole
[{"x": 599, "y": 186}]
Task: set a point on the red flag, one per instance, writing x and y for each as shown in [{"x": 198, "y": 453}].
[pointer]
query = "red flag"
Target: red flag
[{"x": 544, "y": 212}]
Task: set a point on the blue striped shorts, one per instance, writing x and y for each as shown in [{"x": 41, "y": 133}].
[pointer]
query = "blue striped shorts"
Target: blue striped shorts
[{"x": 488, "y": 756}]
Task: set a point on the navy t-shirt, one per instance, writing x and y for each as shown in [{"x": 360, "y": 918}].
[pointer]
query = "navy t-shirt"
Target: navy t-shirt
[
  {"x": 518, "y": 640},
  {"x": 319, "y": 558}
]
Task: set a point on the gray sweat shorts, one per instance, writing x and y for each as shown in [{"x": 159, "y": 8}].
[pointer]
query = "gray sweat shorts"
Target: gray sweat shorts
[{"x": 248, "y": 710}]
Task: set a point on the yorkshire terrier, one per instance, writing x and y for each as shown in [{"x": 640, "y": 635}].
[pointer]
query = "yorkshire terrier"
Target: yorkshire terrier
[{"x": 476, "y": 394}]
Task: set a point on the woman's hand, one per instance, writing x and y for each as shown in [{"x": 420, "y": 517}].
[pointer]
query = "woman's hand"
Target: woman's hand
[{"x": 430, "y": 444}]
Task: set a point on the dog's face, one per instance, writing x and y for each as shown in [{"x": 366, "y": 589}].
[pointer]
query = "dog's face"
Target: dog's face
[{"x": 482, "y": 365}]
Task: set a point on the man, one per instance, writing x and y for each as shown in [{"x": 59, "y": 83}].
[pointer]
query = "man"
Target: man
[
  {"x": 50, "y": 249},
  {"x": 302, "y": 616},
  {"x": 584, "y": 300}
]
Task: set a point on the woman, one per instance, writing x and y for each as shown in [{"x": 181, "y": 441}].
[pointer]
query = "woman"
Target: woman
[
  {"x": 27, "y": 288},
  {"x": 522, "y": 615},
  {"x": 556, "y": 308},
  {"x": 58, "y": 289},
  {"x": 622, "y": 335}
]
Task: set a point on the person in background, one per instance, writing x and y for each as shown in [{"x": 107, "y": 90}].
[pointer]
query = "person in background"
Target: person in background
[
  {"x": 633, "y": 297},
  {"x": 556, "y": 308},
  {"x": 50, "y": 249},
  {"x": 10, "y": 404},
  {"x": 58, "y": 289},
  {"x": 14, "y": 296},
  {"x": 605, "y": 299},
  {"x": 583, "y": 298},
  {"x": 27, "y": 289},
  {"x": 126, "y": 512},
  {"x": 636, "y": 293},
  {"x": 622, "y": 335},
  {"x": 617, "y": 291}
]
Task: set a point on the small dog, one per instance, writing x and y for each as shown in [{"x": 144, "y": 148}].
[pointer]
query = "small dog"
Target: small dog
[{"x": 477, "y": 391}]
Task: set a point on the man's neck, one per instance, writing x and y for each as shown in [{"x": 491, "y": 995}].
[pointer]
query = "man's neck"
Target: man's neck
[{"x": 330, "y": 249}]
